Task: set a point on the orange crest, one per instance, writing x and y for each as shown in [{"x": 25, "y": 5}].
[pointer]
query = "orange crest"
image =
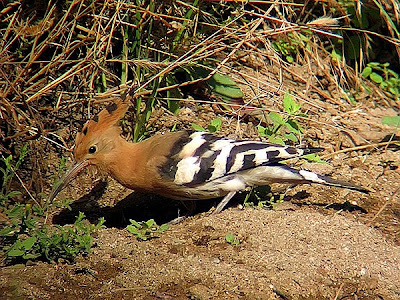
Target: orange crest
[{"x": 104, "y": 125}]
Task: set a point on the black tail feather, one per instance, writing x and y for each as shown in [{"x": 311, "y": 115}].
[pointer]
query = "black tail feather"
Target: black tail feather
[
  {"x": 311, "y": 150},
  {"x": 312, "y": 177},
  {"x": 343, "y": 184}
]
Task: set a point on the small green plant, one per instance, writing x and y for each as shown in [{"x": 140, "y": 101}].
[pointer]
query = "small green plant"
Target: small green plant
[
  {"x": 8, "y": 171},
  {"x": 146, "y": 230},
  {"x": 287, "y": 49},
  {"x": 290, "y": 46},
  {"x": 214, "y": 126},
  {"x": 385, "y": 77},
  {"x": 262, "y": 197},
  {"x": 232, "y": 239},
  {"x": 287, "y": 127},
  {"x": 313, "y": 157},
  {"x": 27, "y": 238}
]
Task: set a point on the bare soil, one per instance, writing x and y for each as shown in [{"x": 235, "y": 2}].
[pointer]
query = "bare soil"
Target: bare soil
[{"x": 321, "y": 243}]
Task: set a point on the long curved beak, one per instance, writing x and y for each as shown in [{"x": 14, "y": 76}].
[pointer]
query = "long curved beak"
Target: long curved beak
[{"x": 68, "y": 177}]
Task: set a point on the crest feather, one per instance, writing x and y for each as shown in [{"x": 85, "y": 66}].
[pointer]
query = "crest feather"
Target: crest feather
[
  {"x": 111, "y": 115},
  {"x": 108, "y": 118}
]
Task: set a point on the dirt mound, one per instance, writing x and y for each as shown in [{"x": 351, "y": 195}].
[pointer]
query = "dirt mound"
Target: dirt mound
[{"x": 289, "y": 254}]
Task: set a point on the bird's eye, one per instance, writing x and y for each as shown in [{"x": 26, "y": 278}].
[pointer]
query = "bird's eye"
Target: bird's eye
[{"x": 92, "y": 149}]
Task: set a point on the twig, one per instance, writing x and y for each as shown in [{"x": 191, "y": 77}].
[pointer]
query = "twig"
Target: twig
[
  {"x": 73, "y": 71},
  {"x": 338, "y": 291},
  {"x": 384, "y": 206},
  {"x": 360, "y": 148}
]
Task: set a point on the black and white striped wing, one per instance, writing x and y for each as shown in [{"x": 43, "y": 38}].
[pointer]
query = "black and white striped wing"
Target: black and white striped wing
[{"x": 205, "y": 157}]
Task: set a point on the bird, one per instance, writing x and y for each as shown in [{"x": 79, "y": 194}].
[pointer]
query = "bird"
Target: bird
[{"x": 186, "y": 165}]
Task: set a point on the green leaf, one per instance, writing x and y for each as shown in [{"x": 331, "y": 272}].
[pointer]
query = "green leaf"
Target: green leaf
[
  {"x": 394, "y": 91},
  {"x": 276, "y": 140},
  {"x": 142, "y": 237},
  {"x": 291, "y": 125},
  {"x": 150, "y": 223},
  {"x": 290, "y": 105},
  {"x": 100, "y": 223},
  {"x": 314, "y": 158},
  {"x": 393, "y": 74},
  {"x": 79, "y": 218},
  {"x": 366, "y": 72},
  {"x": 223, "y": 79},
  {"x": 215, "y": 125},
  {"x": 13, "y": 193},
  {"x": 163, "y": 228},
  {"x": 229, "y": 237},
  {"x": 337, "y": 56},
  {"x": 276, "y": 118},
  {"x": 6, "y": 231},
  {"x": 373, "y": 64},
  {"x": 225, "y": 86},
  {"x": 132, "y": 229},
  {"x": 30, "y": 256},
  {"x": 375, "y": 77},
  {"x": 16, "y": 212},
  {"x": 216, "y": 122},
  {"x": 294, "y": 127},
  {"x": 384, "y": 85},
  {"x": 261, "y": 131},
  {"x": 197, "y": 127},
  {"x": 15, "y": 253},
  {"x": 28, "y": 243},
  {"x": 391, "y": 121},
  {"x": 291, "y": 137},
  {"x": 134, "y": 223}
]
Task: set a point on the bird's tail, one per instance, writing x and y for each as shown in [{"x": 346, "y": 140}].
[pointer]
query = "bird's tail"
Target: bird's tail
[
  {"x": 311, "y": 177},
  {"x": 279, "y": 173}
]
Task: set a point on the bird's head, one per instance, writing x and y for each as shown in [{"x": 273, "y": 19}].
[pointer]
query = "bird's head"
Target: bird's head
[{"x": 94, "y": 142}]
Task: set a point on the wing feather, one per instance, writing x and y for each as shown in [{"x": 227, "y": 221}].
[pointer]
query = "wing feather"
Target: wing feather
[{"x": 205, "y": 157}]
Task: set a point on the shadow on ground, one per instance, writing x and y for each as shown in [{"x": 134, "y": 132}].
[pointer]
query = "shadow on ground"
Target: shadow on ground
[{"x": 142, "y": 207}]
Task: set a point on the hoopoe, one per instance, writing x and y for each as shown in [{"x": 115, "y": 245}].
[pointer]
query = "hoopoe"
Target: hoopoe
[{"x": 185, "y": 165}]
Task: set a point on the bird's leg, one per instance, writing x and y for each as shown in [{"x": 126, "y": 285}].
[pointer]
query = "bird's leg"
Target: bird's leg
[
  {"x": 223, "y": 202},
  {"x": 219, "y": 208},
  {"x": 177, "y": 220},
  {"x": 190, "y": 207}
]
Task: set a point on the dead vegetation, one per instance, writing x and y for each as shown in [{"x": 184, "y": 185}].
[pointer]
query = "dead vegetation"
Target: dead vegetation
[{"x": 65, "y": 54}]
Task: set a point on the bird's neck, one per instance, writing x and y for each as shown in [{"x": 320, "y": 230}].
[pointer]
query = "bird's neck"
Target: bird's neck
[{"x": 127, "y": 162}]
